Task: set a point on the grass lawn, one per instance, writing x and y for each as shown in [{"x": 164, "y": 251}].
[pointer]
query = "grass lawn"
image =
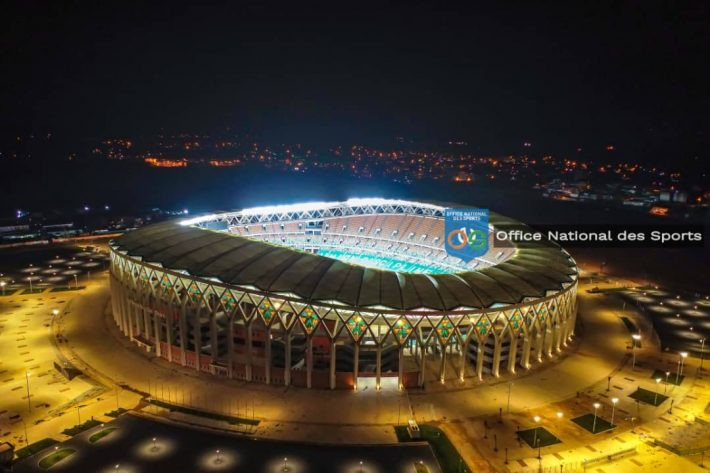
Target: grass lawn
[
  {"x": 587, "y": 422},
  {"x": 64, "y": 289},
  {"x": 544, "y": 437},
  {"x": 33, "y": 448},
  {"x": 77, "y": 429},
  {"x": 35, "y": 290},
  {"x": 55, "y": 457},
  {"x": 672, "y": 378},
  {"x": 445, "y": 452},
  {"x": 648, "y": 397},
  {"x": 101, "y": 434},
  {"x": 116, "y": 412},
  {"x": 205, "y": 414}
]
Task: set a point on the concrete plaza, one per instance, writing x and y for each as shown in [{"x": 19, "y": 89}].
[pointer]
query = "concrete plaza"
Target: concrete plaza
[{"x": 476, "y": 416}]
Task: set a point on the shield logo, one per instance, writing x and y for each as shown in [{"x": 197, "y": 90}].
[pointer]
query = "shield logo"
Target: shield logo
[{"x": 466, "y": 232}]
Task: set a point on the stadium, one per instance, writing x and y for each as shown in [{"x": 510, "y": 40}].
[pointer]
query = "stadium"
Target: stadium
[{"x": 336, "y": 294}]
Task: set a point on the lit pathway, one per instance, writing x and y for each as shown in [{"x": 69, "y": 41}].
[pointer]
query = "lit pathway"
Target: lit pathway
[{"x": 26, "y": 348}]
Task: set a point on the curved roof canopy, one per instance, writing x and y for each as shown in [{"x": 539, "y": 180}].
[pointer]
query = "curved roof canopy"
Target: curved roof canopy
[{"x": 532, "y": 272}]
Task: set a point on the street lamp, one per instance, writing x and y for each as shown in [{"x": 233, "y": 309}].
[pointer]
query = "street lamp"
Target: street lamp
[
  {"x": 360, "y": 466},
  {"x": 614, "y": 400},
  {"x": 536, "y": 441},
  {"x": 702, "y": 353},
  {"x": 683, "y": 356},
  {"x": 55, "y": 312},
  {"x": 594, "y": 424},
  {"x": 2, "y": 285},
  {"x": 218, "y": 461},
  {"x": 636, "y": 338},
  {"x": 665, "y": 388},
  {"x": 29, "y": 403},
  {"x": 655, "y": 397},
  {"x": 285, "y": 468}
]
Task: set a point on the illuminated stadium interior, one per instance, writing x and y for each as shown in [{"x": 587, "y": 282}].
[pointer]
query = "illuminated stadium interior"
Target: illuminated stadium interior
[{"x": 370, "y": 235}]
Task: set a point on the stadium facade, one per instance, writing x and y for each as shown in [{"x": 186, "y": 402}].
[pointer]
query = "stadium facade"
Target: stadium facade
[{"x": 324, "y": 294}]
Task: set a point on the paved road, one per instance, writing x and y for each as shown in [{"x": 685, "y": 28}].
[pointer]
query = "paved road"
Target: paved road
[{"x": 181, "y": 449}]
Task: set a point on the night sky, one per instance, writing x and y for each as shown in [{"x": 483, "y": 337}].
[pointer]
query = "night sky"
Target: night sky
[{"x": 631, "y": 74}]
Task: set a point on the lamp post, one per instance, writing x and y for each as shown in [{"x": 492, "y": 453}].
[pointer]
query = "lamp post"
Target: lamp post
[
  {"x": 665, "y": 388},
  {"x": 594, "y": 424},
  {"x": 635, "y": 339},
  {"x": 285, "y": 468},
  {"x": 360, "y": 466},
  {"x": 2, "y": 285},
  {"x": 29, "y": 402},
  {"x": 536, "y": 441},
  {"x": 614, "y": 400},
  {"x": 702, "y": 353},
  {"x": 683, "y": 356},
  {"x": 655, "y": 397}
]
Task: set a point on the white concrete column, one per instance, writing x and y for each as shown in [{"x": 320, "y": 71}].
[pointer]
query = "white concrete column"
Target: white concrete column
[
  {"x": 512, "y": 353},
  {"x": 182, "y": 332},
  {"x": 525, "y": 358},
  {"x": 197, "y": 329},
  {"x": 378, "y": 367},
  {"x": 463, "y": 350},
  {"x": 572, "y": 320},
  {"x": 565, "y": 332},
  {"x": 123, "y": 303},
  {"x": 548, "y": 342},
  {"x": 287, "y": 356},
  {"x": 230, "y": 346},
  {"x": 156, "y": 327},
  {"x": 214, "y": 339},
  {"x": 442, "y": 367},
  {"x": 249, "y": 347},
  {"x": 130, "y": 317},
  {"x": 400, "y": 367},
  {"x": 356, "y": 363},
  {"x": 122, "y": 310},
  {"x": 556, "y": 337},
  {"x": 538, "y": 346},
  {"x": 332, "y": 364},
  {"x": 114, "y": 298},
  {"x": 422, "y": 365},
  {"x": 169, "y": 331},
  {"x": 497, "y": 347},
  {"x": 267, "y": 356},
  {"x": 146, "y": 318},
  {"x": 309, "y": 360},
  {"x": 479, "y": 360}
]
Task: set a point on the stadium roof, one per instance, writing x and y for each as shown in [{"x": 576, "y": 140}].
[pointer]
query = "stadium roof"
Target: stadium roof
[{"x": 533, "y": 271}]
